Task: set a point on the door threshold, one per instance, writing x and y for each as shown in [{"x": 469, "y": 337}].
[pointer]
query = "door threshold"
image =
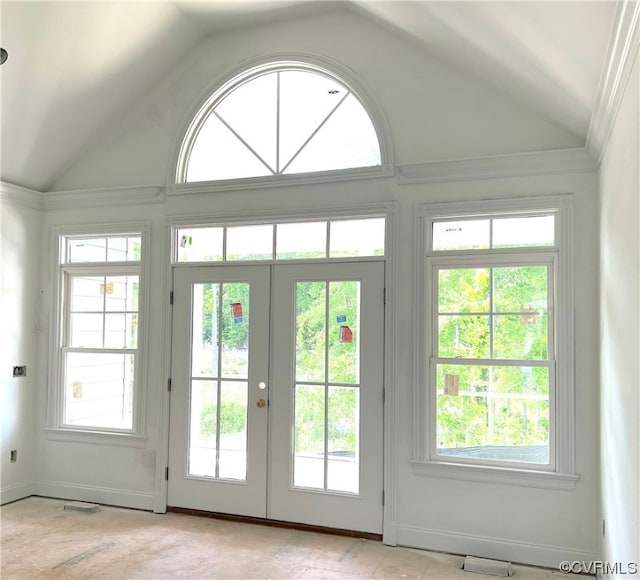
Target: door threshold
[{"x": 276, "y": 523}]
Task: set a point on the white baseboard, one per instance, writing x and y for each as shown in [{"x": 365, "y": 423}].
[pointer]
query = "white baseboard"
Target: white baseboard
[
  {"x": 16, "y": 491},
  {"x": 492, "y": 548},
  {"x": 103, "y": 495}
]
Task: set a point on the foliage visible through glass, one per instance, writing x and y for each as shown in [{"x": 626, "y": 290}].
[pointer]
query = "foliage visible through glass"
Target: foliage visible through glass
[
  {"x": 220, "y": 367},
  {"x": 489, "y": 411},
  {"x": 327, "y": 404}
]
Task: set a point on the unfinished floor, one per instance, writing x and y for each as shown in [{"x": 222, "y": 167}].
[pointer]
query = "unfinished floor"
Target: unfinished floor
[{"x": 42, "y": 540}]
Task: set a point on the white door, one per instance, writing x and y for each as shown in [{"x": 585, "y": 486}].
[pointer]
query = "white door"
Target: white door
[{"x": 303, "y": 442}]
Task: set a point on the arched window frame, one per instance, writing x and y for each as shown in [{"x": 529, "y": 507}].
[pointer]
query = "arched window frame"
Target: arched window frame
[{"x": 250, "y": 70}]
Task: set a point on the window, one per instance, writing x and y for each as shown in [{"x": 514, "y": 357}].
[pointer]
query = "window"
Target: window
[
  {"x": 305, "y": 240},
  {"x": 495, "y": 352},
  {"x": 278, "y": 119},
  {"x": 98, "y": 335}
]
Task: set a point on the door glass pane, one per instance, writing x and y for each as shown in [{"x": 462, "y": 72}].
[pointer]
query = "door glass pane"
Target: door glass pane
[
  {"x": 343, "y": 465},
  {"x": 235, "y": 331},
  {"x": 310, "y": 331},
  {"x": 249, "y": 243},
  {"x": 233, "y": 430},
  {"x": 298, "y": 241},
  {"x": 309, "y": 436},
  {"x": 205, "y": 330},
  {"x": 203, "y": 428},
  {"x": 344, "y": 332}
]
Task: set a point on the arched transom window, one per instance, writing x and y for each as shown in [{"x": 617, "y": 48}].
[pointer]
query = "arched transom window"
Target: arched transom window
[{"x": 280, "y": 119}]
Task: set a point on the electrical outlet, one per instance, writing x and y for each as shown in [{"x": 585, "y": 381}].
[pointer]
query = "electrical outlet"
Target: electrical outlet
[
  {"x": 14, "y": 455},
  {"x": 20, "y": 371}
]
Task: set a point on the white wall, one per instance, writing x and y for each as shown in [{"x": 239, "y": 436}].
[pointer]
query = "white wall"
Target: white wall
[
  {"x": 620, "y": 338},
  {"x": 20, "y": 234},
  {"x": 434, "y": 113}
]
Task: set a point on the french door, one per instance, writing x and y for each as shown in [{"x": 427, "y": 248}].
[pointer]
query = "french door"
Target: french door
[{"x": 277, "y": 392}]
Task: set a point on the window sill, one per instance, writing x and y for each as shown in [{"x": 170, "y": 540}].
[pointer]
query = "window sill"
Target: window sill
[
  {"x": 499, "y": 475},
  {"x": 96, "y": 437}
]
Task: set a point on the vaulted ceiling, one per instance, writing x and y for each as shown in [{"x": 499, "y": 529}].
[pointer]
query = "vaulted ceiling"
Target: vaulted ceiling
[{"x": 75, "y": 67}]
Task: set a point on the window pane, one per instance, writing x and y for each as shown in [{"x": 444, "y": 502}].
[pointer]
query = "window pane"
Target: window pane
[
  {"x": 121, "y": 331},
  {"x": 361, "y": 237},
  {"x": 250, "y": 243},
  {"x": 464, "y": 336},
  {"x": 99, "y": 390},
  {"x": 520, "y": 290},
  {"x": 343, "y": 465},
  {"x": 87, "y": 294},
  {"x": 347, "y": 139},
  {"x": 86, "y": 330},
  {"x": 123, "y": 249},
  {"x": 203, "y": 428},
  {"x": 298, "y": 241},
  {"x": 121, "y": 293},
  {"x": 233, "y": 430},
  {"x": 199, "y": 244},
  {"x": 461, "y": 235},
  {"x": 205, "y": 331},
  {"x": 309, "y": 450},
  {"x": 305, "y": 101},
  {"x": 250, "y": 110},
  {"x": 521, "y": 337},
  {"x": 523, "y": 232},
  {"x": 235, "y": 331},
  {"x": 463, "y": 290},
  {"x": 88, "y": 250},
  {"x": 493, "y": 413},
  {"x": 310, "y": 331},
  {"x": 344, "y": 332},
  {"x": 218, "y": 154}
]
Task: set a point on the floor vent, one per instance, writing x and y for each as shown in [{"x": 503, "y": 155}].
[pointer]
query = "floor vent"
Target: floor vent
[
  {"x": 490, "y": 567},
  {"x": 81, "y": 506}
]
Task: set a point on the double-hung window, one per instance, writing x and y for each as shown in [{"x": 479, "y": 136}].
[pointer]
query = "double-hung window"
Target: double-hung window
[
  {"x": 98, "y": 332},
  {"x": 495, "y": 379}
]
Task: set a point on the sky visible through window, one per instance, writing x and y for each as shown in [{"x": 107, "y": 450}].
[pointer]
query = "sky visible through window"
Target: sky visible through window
[{"x": 283, "y": 122}]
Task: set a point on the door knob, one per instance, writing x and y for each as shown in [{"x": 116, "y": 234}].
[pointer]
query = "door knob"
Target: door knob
[{"x": 261, "y": 403}]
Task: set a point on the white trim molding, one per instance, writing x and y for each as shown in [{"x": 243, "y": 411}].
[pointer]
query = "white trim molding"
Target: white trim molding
[
  {"x": 552, "y": 161},
  {"x": 21, "y": 196},
  {"x": 102, "y": 197},
  {"x": 103, "y": 495},
  {"x": 623, "y": 51},
  {"x": 490, "y": 547},
  {"x": 17, "y": 491}
]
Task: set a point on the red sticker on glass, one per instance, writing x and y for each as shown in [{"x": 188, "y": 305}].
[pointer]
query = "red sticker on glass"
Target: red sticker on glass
[
  {"x": 346, "y": 334},
  {"x": 236, "y": 310}
]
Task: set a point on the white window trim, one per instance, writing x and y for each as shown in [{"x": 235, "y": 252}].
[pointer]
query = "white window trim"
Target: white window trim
[
  {"x": 563, "y": 476},
  {"x": 238, "y": 75},
  {"x": 55, "y": 429}
]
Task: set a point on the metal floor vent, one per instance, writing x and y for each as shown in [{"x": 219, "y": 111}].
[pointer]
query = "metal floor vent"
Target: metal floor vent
[
  {"x": 81, "y": 506},
  {"x": 484, "y": 566}
]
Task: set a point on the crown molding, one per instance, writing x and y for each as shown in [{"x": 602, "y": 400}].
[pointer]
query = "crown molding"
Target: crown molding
[
  {"x": 103, "y": 197},
  {"x": 621, "y": 56},
  {"x": 498, "y": 166},
  {"x": 22, "y": 196}
]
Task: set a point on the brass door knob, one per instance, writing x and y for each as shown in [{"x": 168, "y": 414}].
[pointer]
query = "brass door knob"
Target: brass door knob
[{"x": 261, "y": 403}]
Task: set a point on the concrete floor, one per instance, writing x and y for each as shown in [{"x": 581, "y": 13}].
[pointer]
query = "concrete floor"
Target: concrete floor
[{"x": 42, "y": 540}]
